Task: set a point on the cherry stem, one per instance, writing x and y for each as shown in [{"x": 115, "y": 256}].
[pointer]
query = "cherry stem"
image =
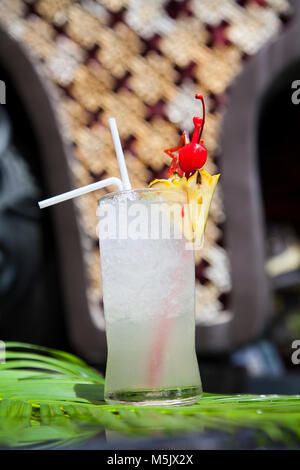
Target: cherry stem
[{"x": 200, "y": 97}]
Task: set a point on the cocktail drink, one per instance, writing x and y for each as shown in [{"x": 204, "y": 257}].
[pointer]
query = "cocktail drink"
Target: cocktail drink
[
  {"x": 147, "y": 238},
  {"x": 148, "y": 278}
]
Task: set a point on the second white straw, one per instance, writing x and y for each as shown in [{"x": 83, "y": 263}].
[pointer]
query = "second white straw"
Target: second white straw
[
  {"x": 119, "y": 153},
  {"x": 80, "y": 191}
]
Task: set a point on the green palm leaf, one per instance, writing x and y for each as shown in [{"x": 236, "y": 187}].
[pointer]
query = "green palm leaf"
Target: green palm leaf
[{"x": 49, "y": 397}]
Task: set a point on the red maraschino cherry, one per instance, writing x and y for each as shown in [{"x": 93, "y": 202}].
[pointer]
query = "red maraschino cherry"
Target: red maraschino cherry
[{"x": 191, "y": 155}]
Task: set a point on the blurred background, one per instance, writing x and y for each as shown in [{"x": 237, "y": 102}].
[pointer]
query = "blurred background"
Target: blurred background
[{"x": 68, "y": 66}]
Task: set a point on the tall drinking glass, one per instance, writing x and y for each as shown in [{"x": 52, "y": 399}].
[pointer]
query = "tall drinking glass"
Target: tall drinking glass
[{"x": 148, "y": 279}]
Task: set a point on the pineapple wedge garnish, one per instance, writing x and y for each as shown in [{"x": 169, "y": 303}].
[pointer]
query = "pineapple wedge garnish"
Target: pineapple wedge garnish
[{"x": 199, "y": 189}]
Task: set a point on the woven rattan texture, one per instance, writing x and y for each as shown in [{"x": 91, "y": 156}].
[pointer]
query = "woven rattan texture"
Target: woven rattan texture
[{"x": 142, "y": 61}]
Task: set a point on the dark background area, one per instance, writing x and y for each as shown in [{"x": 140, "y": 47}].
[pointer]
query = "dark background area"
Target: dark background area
[{"x": 31, "y": 301}]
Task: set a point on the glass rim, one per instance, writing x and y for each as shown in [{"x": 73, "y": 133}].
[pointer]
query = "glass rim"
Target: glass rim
[{"x": 138, "y": 190}]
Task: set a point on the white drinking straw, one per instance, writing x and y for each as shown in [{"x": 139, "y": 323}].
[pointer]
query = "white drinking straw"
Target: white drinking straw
[
  {"x": 119, "y": 153},
  {"x": 83, "y": 190},
  {"x": 121, "y": 185}
]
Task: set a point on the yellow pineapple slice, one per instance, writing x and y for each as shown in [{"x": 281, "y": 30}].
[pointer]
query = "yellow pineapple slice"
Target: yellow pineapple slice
[
  {"x": 199, "y": 188},
  {"x": 181, "y": 218}
]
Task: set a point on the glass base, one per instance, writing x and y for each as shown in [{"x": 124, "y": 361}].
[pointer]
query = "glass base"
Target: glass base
[{"x": 155, "y": 397}]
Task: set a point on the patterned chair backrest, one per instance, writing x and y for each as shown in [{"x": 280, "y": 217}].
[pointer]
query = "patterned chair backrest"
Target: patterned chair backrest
[{"x": 73, "y": 71}]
